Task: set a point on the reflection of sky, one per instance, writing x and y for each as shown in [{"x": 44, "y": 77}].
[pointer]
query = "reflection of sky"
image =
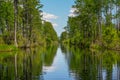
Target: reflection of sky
[
  {"x": 58, "y": 70},
  {"x": 104, "y": 74},
  {"x": 114, "y": 73},
  {"x": 49, "y": 69}
]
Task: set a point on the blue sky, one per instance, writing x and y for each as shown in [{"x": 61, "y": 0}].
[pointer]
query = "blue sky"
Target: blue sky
[{"x": 57, "y": 11}]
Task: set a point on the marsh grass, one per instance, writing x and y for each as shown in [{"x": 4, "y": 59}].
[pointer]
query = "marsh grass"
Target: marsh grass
[{"x": 7, "y": 48}]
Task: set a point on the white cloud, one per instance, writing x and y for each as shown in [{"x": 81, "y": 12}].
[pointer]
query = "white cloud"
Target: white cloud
[
  {"x": 72, "y": 15},
  {"x": 54, "y": 24},
  {"x": 48, "y": 16},
  {"x": 72, "y": 12}
]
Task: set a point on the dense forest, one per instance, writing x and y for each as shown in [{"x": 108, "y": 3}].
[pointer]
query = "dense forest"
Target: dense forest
[
  {"x": 96, "y": 24},
  {"x": 21, "y": 24},
  {"x": 87, "y": 49}
]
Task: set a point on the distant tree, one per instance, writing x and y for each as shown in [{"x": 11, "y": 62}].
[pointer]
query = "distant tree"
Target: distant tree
[{"x": 49, "y": 32}]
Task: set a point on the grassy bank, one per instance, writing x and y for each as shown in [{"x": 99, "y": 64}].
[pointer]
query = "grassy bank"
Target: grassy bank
[{"x": 7, "y": 48}]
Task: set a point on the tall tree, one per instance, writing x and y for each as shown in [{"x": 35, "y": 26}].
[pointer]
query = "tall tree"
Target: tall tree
[
  {"x": 94, "y": 22},
  {"x": 15, "y": 21}
]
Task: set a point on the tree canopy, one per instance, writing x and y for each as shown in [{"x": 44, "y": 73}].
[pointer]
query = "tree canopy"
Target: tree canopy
[
  {"x": 95, "y": 22},
  {"x": 21, "y": 23}
]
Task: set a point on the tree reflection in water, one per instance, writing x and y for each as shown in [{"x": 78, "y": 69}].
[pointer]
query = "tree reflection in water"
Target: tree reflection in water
[
  {"x": 26, "y": 64},
  {"x": 92, "y": 65},
  {"x": 82, "y": 64}
]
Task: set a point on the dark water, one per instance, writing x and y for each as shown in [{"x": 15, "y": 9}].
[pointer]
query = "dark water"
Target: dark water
[{"x": 60, "y": 63}]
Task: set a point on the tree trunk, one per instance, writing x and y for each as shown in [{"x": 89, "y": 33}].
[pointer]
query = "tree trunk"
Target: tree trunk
[{"x": 15, "y": 22}]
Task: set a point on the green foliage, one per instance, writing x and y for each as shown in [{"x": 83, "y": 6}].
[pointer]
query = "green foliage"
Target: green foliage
[
  {"x": 63, "y": 36},
  {"x": 110, "y": 37},
  {"x": 1, "y": 40},
  {"x": 37, "y": 38},
  {"x": 6, "y": 15},
  {"x": 29, "y": 28},
  {"x": 94, "y": 24},
  {"x": 20, "y": 39},
  {"x": 8, "y": 37},
  {"x": 49, "y": 33}
]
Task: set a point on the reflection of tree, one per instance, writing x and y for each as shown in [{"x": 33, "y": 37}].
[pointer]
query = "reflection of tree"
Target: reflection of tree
[
  {"x": 81, "y": 64},
  {"x": 118, "y": 67},
  {"x": 63, "y": 49},
  {"x": 25, "y": 65},
  {"x": 32, "y": 65},
  {"x": 90, "y": 65},
  {"x": 49, "y": 55},
  {"x": 6, "y": 68},
  {"x": 108, "y": 61}
]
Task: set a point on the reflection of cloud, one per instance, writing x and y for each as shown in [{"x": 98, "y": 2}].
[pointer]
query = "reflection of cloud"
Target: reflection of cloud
[
  {"x": 72, "y": 12},
  {"x": 49, "y": 69},
  {"x": 49, "y": 17}
]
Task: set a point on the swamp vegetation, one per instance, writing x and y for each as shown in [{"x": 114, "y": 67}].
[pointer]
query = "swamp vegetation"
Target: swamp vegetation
[
  {"x": 88, "y": 49},
  {"x": 21, "y": 25},
  {"x": 95, "y": 23}
]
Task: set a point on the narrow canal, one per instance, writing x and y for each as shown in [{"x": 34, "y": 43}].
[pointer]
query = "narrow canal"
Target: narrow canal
[{"x": 60, "y": 63}]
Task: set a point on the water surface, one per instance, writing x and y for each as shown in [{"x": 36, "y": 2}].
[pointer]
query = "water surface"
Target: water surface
[{"x": 60, "y": 63}]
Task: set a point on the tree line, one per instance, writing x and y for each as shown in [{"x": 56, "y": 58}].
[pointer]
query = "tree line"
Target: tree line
[
  {"x": 21, "y": 24},
  {"x": 96, "y": 23}
]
